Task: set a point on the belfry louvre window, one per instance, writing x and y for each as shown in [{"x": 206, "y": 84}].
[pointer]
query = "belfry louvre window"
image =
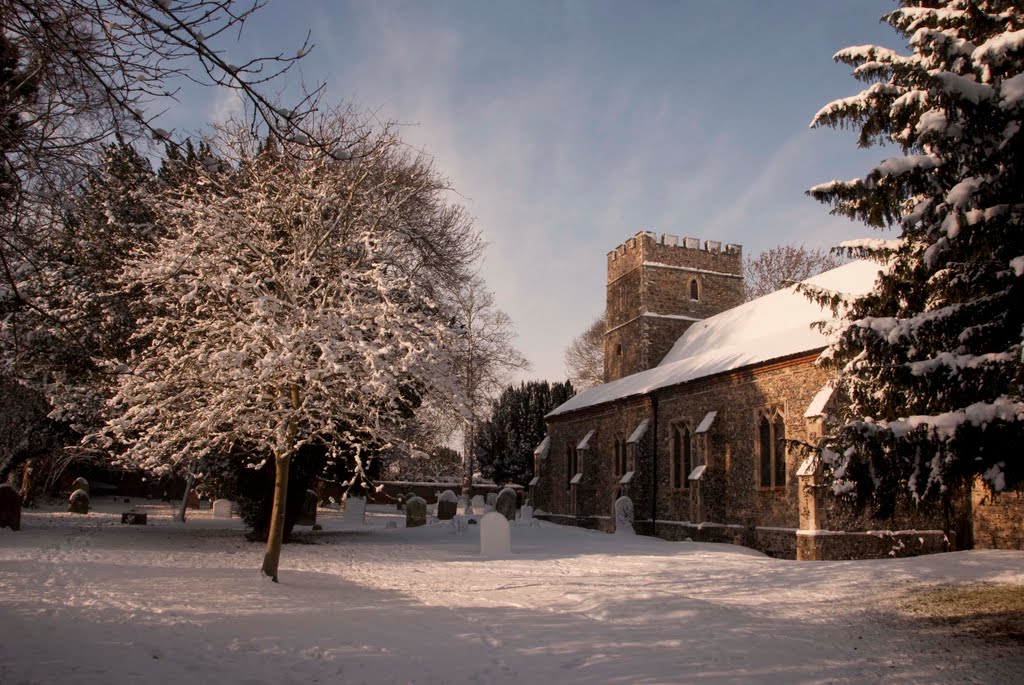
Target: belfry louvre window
[
  {"x": 682, "y": 455},
  {"x": 771, "y": 436}
]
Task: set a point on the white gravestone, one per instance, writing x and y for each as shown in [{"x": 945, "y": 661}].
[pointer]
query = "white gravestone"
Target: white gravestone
[
  {"x": 355, "y": 510},
  {"x": 624, "y": 516},
  {"x": 495, "y": 536},
  {"x": 526, "y": 515},
  {"x": 479, "y": 504},
  {"x": 222, "y": 509},
  {"x": 463, "y": 503}
]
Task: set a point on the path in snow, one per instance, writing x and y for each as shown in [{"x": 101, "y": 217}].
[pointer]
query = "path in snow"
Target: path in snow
[{"x": 86, "y": 600}]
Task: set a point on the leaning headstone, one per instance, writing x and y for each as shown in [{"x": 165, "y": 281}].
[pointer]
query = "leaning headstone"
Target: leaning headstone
[
  {"x": 355, "y": 510},
  {"x": 78, "y": 503},
  {"x": 495, "y": 535},
  {"x": 505, "y": 504},
  {"x": 133, "y": 518},
  {"x": 222, "y": 509},
  {"x": 10, "y": 507},
  {"x": 447, "y": 504},
  {"x": 624, "y": 516},
  {"x": 415, "y": 512},
  {"x": 80, "y": 484},
  {"x": 307, "y": 516}
]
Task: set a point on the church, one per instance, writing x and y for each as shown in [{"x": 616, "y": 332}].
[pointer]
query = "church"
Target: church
[{"x": 702, "y": 393}]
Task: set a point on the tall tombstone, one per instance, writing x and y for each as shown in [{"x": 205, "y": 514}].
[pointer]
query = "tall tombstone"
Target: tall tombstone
[
  {"x": 478, "y": 504},
  {"x": 505, "y": 504},
  {"x": 222, "y": 509},
  {"x": 78, "y": 503},
  {"x": 307, "y": 516},
  {"x": 526, "y": 515},
  {"x": 464, "y": 506},
  {"x": 495, "y": 535},
  {"x": 624, "y": 516},
  {"x": 415, "y": 512},
  {"x": 447, "y": 504},
  {"x": 355, "y": 510},
  {"x": 10, "y": 507}
]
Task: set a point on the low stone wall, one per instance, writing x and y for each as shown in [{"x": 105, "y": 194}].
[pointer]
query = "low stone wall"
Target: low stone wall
[
  {"x": 825, "y": 545},
  {"x": 998, "y": 519}
]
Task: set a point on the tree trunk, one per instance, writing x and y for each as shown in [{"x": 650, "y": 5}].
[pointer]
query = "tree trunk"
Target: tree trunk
[
  {"x": 276, "y": 535},
  {"x": 184, "y": 498}
]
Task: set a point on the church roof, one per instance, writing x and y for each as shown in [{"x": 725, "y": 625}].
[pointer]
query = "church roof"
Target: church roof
[{"x": 771, "y": 327}]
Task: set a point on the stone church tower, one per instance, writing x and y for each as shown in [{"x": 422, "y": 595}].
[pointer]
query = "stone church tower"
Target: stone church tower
[{"x": 657, "y": 288}]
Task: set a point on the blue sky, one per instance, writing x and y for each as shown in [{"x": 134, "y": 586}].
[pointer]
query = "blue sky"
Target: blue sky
[{"x": 566, "y": 127}]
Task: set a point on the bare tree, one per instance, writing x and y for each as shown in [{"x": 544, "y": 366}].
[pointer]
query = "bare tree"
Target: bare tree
[
  {"x": 584, "y": 357},
  {"x": 784, "y": 265},
  {"x": 484, "y": 359},
  {"x": 76, "y": 75}
]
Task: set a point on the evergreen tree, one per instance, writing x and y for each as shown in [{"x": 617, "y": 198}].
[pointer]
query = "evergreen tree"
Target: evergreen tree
[
  {"x": 505, "y": 442},
  {"x": 931, "y": 360}
]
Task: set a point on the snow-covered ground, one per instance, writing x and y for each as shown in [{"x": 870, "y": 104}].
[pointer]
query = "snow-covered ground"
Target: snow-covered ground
[{"x": 84, "y": 599}]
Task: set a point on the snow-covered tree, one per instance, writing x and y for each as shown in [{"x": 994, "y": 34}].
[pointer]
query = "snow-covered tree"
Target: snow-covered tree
[
  {"x": 931, "y": 361},
  {"x": 506, "y": 440},
  {"x": 285, "y": 306},
  {"x": 484, "y": 358},
  {"x": 76, "y": 76},
  {"x": 783, "y": 265},
  {"x": 584, "y": 357}
]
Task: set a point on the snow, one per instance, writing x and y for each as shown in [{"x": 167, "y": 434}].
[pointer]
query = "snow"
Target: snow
[
  {"x": 1017, "y": 264},
  {"x": 994, "y": 50},
  {"x": 638, "y": 434},
  {"x": 543, "y": 448},
  {"x": 705, "y": 423},
  {"x": 1012, "y": 91},
  {"x": 964, "y": 88},
  {"x": 817, "y": 406},
  {"x": 770, "y": 327},
  {"x": 896, "y": 166},
  {"x": 86, "y": 600},
  {"x": 585, "y": 442}
]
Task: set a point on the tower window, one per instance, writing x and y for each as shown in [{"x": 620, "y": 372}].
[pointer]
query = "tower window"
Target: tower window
[
  {"x": 618, "y": 350},
  {"x": 694, "y": 293}
]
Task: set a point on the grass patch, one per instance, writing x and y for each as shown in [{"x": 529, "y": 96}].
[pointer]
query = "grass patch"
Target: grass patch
[{"x": 986, "y": 610}]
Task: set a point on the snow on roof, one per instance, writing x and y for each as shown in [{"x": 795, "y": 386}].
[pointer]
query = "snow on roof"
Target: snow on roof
[
  {"x": 770, "y": 327},
  {"x": 638, "y": 434},
  {"x": 585, "y": 442},
  {"x": 697, "y": 472},
  {"x": 627, "y": 478},
  {"x": 543, "y": 447}
]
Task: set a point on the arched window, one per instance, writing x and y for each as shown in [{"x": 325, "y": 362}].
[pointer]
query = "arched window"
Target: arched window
[
  {"x": 682, "y": 455},
  {"x": 570, "y": 465},
  {"x": 694, "y": 290},
  {"x": 771, "y": 434}
]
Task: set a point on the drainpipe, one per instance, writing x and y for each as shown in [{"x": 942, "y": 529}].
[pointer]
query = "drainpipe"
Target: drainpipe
[{"x": 654, "y": 461}]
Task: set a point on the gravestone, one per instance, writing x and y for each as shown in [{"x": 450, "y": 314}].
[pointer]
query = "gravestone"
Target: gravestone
[
  {"x": 307, "y": 516},
  {"x": 478, "y": 503},
  {"x": 10, "y": 507},
  {"x": 78, "y": 503},
  {"x": 463, "y": 503},
  {"x": 492, "y": 498},
  {"x": 495, "y": 535},
  {"x": 133, "y": 518},
  {"x": 355, "y": 510},
  {"x": 505, "y": 504},
  {"x": 415, "y": 512},
  {"x": 624, "y": 516},
  {"x": 526, "y": 515},
  {"x": 222, "y": 509},
  {"x": 447, "y": 504},
  {"x": 80, "y": 484}
]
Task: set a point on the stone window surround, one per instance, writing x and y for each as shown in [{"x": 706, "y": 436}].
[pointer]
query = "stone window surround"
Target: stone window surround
[
  {"x": 770, "y": 412},
  {"x": 695, "y": 288},
  {"x": 674, "y": 429}
]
